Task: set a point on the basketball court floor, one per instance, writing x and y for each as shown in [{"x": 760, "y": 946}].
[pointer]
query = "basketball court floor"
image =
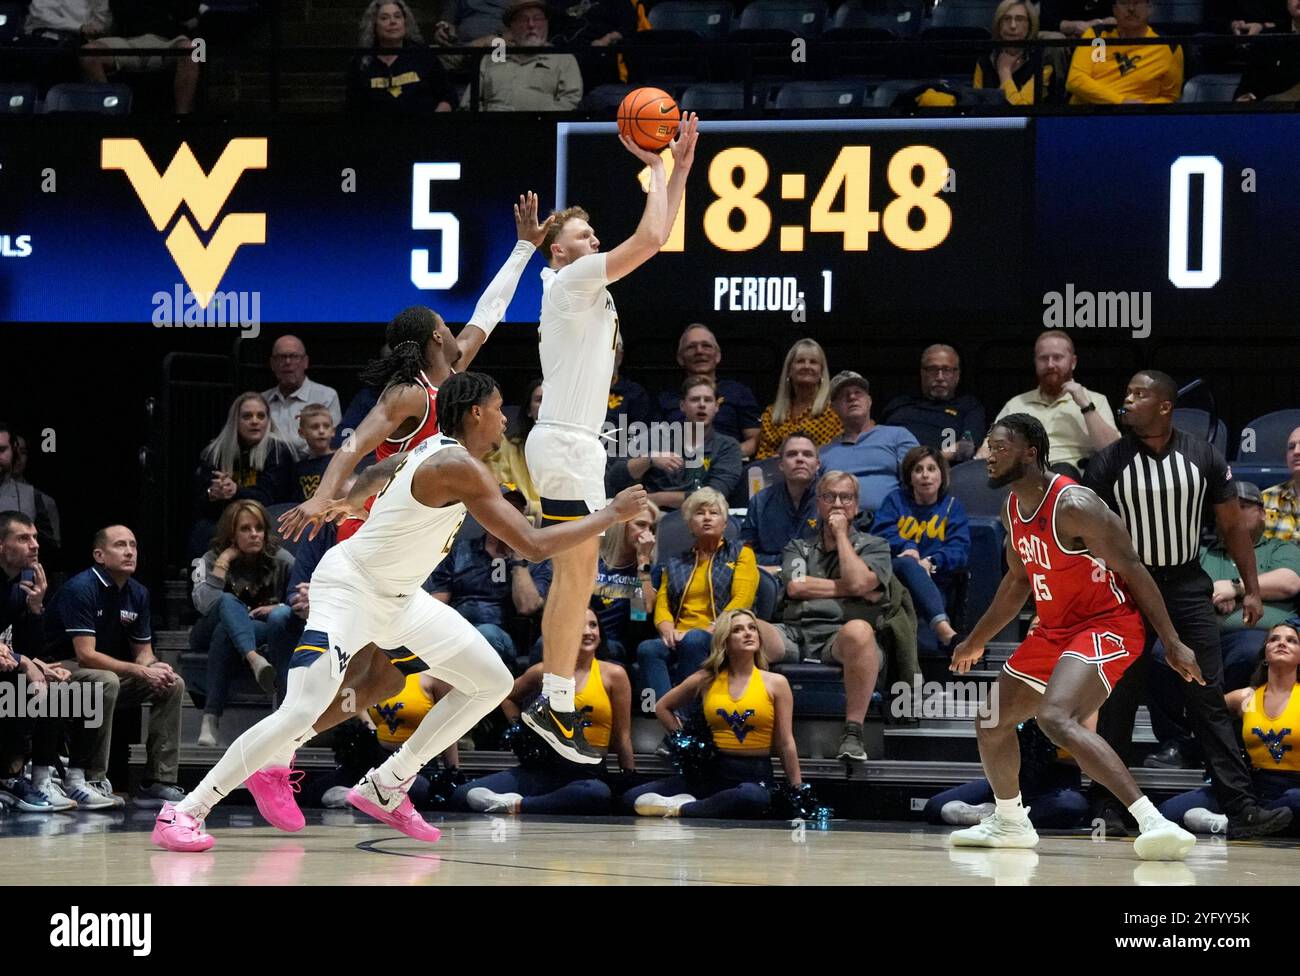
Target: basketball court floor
[{"x": 340, "y": 848}]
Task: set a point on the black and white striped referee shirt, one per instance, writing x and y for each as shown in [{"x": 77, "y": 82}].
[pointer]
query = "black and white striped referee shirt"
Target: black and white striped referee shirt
[{"x": 1161, "y": 499}]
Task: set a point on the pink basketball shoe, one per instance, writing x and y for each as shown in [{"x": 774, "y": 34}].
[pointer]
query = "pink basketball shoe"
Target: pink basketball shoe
[
  {"x": 176, "y": 831},
  {"x": 393, "y": 807},
  {"x": 273, "y": 789}
]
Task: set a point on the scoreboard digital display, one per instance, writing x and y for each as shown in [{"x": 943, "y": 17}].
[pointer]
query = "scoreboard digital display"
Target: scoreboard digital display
[{"x": 862, "y": 220}]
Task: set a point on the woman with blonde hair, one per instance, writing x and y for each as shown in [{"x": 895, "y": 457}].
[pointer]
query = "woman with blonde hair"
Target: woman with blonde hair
[
  {"x": 401, "y": 77},
  {"x": 239, "y": 589},
  {"x": 714, "y": 575},
  {"x": 748, "y": 710},
  {"x": 803, "y": 401},
  {"x": 249, "y": 458},
  {"x": 1008, "y": 66}
]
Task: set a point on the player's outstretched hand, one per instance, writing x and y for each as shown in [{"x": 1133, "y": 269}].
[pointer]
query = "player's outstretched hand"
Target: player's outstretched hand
[
  {"x": 629, "y": 502},
  {"x": 651, "y": 159},
  {"x": 684, "y": 143},
  {"x": 965, "y": 656},
  {"x": 300, "y": 516},
  {"x": 1183, "y": 660},
  {"x": 526, "y": 224}
]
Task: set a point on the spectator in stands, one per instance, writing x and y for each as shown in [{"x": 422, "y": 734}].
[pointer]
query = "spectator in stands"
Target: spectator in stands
[
  {"x": 699, "y": 354},
  {"x": 1278, "y": 566},
  {"x": 239, "y": 591},
  {"x": 939, "y": 417},
  {"x": 1273, "y": 72},
  {"x": 837, "y": 598},
  {"x": 294, "y": 390},
  {"x": 786, "y": 509},
  {"x": 604, "y": 699},
  {"x": 716, "y": 574},
  {"x": 401, "y": 78},
  {"x": 542, "y": 82},
  {"x": 487, "y": 583},
  {"x": 98, "y": 628},
  {"x": 1078, "y": 421},
  {"x": 1270, "y": 727},
  {"x": 22, "y": 608},
  {"x": 66, "y": 23},
  {"x": 507, "y": 461},
  {"x": 597, "y": 24},
  {"x": 869, "y": 451},
  {"x": 1008, "y": 66},
  {"x": 748, "y": 710},
  {"x": 628, "y": 401},
  {"x": 1050, "y": 785},
  {"x": 467, "y": 21},
  {"x": 149, "y": 24},
  {"x": 247, "y": 459},
  {"x": 802, "y": 401},
  {"x": 929, "y": 536},
  {"x": 1124, "y": 74},
  {"x": 16, "y": 494},
  {"x": 1281, "y": 502},
  {"x": 1072, "y": 17},
  {"x": 707, "y": 460},
  {"x": 316, "y": 428},
  {"x": 1250, "y": 17}
]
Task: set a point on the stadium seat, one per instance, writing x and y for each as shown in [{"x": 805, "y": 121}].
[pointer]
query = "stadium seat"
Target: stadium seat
[
  {"x": 674, "y": 536},
  {"x": 986, "y": 566},
  {"x": 667, "y": 58},
  {"x": 710, "y": 19},
  {"x": 1211, "y": 88},
  {"x": 969, "y": 482},
  {"x": 11, "y": 21},
  {"x": 804, "y": 18},
  {"x": 769, "y": 590},
  {"x": 766, "y": 53},
  {"x": 887, "y": 91},
  {"x": 714, "y": 97},
  {"x": 848, "y": 93},
  {"x": 17, "y": 99},
  {"x": 103, "y": 99},
  {"x": 768, "y": 468},
  {"x": 604, "y": 99},
  {"x": 1263, "y": 475},
  {"x": 961, "y": 18},
  {"x": 1194, "y": 421},
  {"x": 1266, "y": 437},
  {"x": 1177, "y": 17},
  {"x": 857, "y": 51},
  {"x": 899, "y": 17}
]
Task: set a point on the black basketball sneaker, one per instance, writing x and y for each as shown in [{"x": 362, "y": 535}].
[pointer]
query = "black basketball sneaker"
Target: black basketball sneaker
[{"x": 562, "y": 731}]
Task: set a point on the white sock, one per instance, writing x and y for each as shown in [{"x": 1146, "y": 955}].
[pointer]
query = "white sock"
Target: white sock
[
  {"x": 40, "y": 776},
  {"x": 1144, "y": 810},
  {"x": 559, "y": 692},
  {"x": 1012, "y": 808},
  {"x": 76, "y": 777}
]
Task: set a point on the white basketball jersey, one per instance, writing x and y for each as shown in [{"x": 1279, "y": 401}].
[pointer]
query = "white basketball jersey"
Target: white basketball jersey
[
  {"x": 403, "y": 540},
  {"x": 578, "y": 329}
]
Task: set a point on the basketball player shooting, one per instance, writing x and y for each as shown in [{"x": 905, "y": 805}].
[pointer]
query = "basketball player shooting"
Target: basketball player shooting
[
  {"x": 1067, "y": 549},
  {"x": 566, "y": 457}
]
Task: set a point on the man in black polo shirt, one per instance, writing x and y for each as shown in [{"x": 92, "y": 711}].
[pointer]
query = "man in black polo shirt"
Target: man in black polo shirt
[
  {"x": 1158, "y": 479},
  {"x": 939, "y": 418},
  {"x": 99, "y": 625},
  {"x": 699, "y": 354}
]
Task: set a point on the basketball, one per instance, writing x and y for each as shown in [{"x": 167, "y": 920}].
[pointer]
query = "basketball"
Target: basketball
[{"x": 649, "y": 116}]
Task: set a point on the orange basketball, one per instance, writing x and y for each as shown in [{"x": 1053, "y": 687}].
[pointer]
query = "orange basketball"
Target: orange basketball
[{"x": 649, "y": 116}]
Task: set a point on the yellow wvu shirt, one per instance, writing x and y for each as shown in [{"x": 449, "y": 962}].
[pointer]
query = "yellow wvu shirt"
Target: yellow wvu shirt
[{"x": 1110, "y": 75}]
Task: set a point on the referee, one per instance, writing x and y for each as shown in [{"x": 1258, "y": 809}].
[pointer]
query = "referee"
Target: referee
[{"x": 1158, "y": 480}]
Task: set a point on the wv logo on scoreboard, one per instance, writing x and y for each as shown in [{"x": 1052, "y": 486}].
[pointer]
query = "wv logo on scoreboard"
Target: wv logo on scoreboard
[{"x": 205, "y": 194}]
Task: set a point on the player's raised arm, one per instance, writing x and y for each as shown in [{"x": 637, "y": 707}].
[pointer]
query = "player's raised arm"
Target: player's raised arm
[
  {"x": 1082, "y": 515},
  {"x": 495, "y": 300},
  {"x": 657, "y": 218},
  {"x": 395, "y": 406},
  {"x": 1012, "y": 593}
]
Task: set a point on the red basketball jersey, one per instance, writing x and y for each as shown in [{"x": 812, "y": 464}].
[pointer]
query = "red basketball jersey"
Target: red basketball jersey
[{"x": 1070, "y": 586}]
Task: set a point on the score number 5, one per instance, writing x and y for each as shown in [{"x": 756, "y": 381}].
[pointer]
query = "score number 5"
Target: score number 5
[{"x": 423, "y": 218}]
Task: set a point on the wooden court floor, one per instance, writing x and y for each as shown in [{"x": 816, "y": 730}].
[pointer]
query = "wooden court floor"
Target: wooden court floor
[{"x": 340, "y": 848}]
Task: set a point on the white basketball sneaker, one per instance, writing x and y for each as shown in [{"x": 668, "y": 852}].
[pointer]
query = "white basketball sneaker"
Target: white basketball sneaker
[
  {"x": 1163, "y": 840},
  {"x": 484, "y": 800},
  {"x": 998, "y": 830},
  {"x": 962, "y": 814},
  {"x": 654, "y": 805}
]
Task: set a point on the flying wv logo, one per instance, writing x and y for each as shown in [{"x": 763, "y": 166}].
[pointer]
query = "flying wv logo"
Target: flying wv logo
[
  {"x": 739, "y": 722},
  {"x": 1277, "y": 748},
  {"x": 342, "y": 656},
  {"x": 389, "y": 714},
  {"x": 205, "y": 194}
]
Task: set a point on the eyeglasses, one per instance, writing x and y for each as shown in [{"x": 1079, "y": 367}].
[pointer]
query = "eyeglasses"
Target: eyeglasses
[
  {"x": 287, "y": 357},
  {"x": 843, "y": 497},
  {"x": 940, "y": 370}
]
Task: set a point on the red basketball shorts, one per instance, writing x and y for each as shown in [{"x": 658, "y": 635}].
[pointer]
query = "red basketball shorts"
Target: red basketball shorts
[{"x": 1109, "y": 643}]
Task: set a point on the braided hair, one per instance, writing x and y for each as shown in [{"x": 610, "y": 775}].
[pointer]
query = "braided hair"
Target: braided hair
[
  {"x": 457, "y": 396},
  {"x": 407, "y": 335},
  {"x": 1031, "y": 430}
]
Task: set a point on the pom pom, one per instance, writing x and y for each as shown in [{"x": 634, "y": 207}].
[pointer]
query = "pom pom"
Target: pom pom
[
  {"x": 355, "y": 746},
  {"x": 691, "y": 751},
  {"x": 443, "y": 781},
  {"x": 528, "y": 747},
  {"x": 800, "y": 803}
]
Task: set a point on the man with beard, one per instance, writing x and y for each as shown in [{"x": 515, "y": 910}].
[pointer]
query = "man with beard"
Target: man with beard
[
  {"x": 1072, "y": 555},
  {"x": 1078, "y": 422},
  {"x": 1158, "y": 480}
]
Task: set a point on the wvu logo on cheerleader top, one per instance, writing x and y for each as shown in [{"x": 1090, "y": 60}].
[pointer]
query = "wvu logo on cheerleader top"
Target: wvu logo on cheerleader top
[
  {"x": 202, "y": 266},
  {"x": 1275, "y": 742},
  {"x": 739, "y": 722},
  {"x": 389, "y": 714}
]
